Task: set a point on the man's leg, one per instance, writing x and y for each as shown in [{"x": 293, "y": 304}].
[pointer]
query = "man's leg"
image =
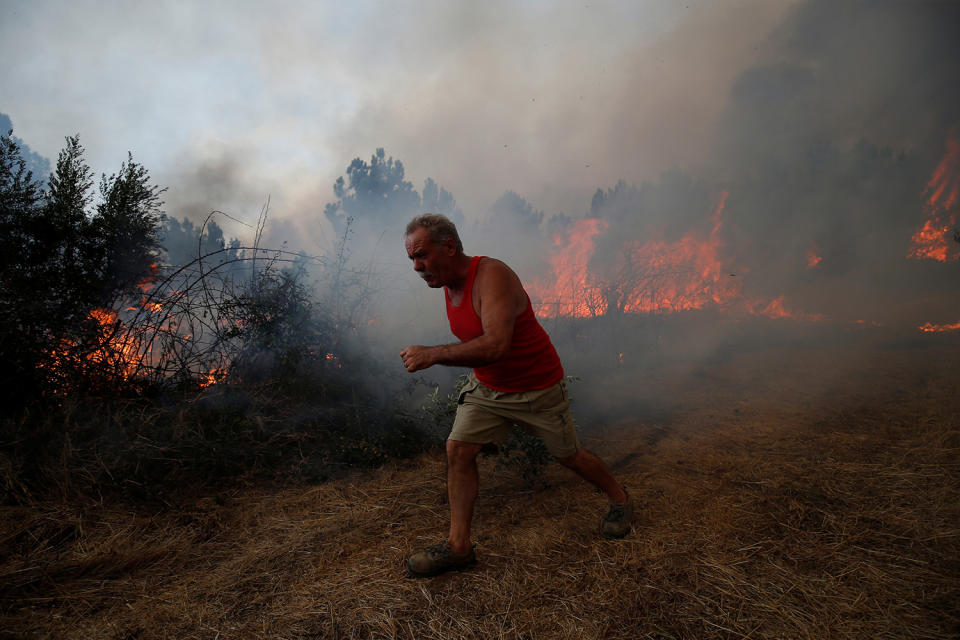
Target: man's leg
[
  {"x": 463, "y": 484},
  {"x": 617, "y": 522},
  {"x": 595, "y": 471}
]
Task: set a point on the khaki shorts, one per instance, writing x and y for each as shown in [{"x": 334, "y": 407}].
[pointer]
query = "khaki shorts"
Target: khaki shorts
[{"x": 486, "y": 415}]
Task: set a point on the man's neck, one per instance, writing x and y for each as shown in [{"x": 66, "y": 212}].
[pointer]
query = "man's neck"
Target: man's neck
[{"x": 459, "y": 272}]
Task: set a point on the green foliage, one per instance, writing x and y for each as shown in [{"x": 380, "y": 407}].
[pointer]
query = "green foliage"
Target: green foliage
[
  {"x": 526, "y": 454},
  {"x": 278, "y": 327},
  {"x": 439, "y": 409},
  {"x": 124, "y": 373},
  {"x": 34, "y": 162},
  {"x": 125, "y": 229}
]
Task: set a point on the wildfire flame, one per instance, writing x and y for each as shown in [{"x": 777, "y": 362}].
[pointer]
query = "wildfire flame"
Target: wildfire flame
[
  {"x": 124, "y": 347},
  {"x": 690, "y": 273},
  {"x": 117, "y": 348},
  {"x": 213, "y": 377},
  {"x": 777, "y": 308},
  {"x": 653, "y": 276},
  {"x": 933, "y": 240},
  {"x": 939, "y": 328},
  {"x": 571, "y": 294}
]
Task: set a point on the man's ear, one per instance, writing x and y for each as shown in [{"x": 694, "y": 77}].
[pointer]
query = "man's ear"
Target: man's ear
[{"x": 450, "y": 247}]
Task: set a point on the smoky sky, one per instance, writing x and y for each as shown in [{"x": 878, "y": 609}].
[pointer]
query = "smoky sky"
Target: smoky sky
[
  {"x": 547, "y": 100},
  {"x": 821, "y": 120},
  {"x": 842, "y": 72}
]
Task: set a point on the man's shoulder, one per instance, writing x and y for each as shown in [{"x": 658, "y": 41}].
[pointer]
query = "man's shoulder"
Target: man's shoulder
[
  {"x": 496, "y": 270},
  {"x": 496, "y": 279}
]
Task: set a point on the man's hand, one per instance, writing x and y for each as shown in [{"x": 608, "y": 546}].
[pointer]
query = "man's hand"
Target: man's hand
[{"x": 417, "y": 357}]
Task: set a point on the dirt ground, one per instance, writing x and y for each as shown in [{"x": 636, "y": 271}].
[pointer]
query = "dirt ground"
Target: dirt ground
[{"x": 789, "y": 493}]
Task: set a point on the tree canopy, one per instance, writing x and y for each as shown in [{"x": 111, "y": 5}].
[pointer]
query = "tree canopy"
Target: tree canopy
[
  {"x": 62, "y": 255},
  {"x": 377, "y": 198}
]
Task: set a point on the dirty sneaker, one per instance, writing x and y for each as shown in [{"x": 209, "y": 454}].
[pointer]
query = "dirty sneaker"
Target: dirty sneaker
[
  {"x": 437, "y": 559},
  {"x": 616, "y": 524}
]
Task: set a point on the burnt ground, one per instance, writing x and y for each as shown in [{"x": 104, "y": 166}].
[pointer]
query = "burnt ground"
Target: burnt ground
[{"x": 793, "y": 490}]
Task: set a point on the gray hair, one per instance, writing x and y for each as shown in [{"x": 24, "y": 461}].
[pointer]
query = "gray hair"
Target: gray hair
[{"x": 438, "y": 226}]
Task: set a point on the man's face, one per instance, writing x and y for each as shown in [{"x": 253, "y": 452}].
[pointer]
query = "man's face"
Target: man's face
[{"x": 430, "y": 261}]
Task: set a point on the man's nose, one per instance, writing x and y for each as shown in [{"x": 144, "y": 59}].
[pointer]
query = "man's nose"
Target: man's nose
[{"x": 417, "y": 265}]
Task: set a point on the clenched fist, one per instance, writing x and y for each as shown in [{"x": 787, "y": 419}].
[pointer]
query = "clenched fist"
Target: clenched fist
[{"x": 417, "y": 357}]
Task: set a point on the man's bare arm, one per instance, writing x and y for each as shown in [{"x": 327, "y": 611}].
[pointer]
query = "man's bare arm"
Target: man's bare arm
[{"x": 501, "y": 300}]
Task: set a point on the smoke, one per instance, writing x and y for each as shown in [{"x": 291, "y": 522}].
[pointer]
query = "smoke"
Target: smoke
[
  {"x": 553, "y": 106},
  {"x": 818, "y": 130},
  {"x": 827, "y": 147},
  {"x": 816, "y": 124},
  {"x": 842, "y": 72},
  {"x": 824, "y": 145}
]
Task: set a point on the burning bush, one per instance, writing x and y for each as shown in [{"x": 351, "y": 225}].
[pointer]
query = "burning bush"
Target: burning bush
[
  {"x": 134, "y": 374},
  {"x": 61, "y": 259}
]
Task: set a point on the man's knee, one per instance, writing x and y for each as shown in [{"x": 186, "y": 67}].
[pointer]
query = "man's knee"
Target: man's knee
[{"x": 462, "y": 453}]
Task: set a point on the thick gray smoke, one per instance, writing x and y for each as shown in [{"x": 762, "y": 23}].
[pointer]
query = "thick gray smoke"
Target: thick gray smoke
[
  {"x": 818, "y": 131},
  {"x": 828, "y": 146},
  {"x": 825, "y": 150}
]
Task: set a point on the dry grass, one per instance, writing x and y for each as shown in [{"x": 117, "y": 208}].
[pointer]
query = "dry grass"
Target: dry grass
[{"x": 795, "y": 496}]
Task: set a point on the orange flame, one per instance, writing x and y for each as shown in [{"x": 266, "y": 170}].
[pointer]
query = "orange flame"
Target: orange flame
[
  {"x": 942, "y": 195},
  {"x": 115, "y": 348},
  {"x": 690, "y": 273},
  {"x": 939, "y": 328},
  {"x": 150, "y": 280},
  {"x": 122, "y": 350},
  {"x": 213, "y": 377},
  {"x": 653, "y": 276},
  {"x": 571, "y": 293},
  {"x": 813, "y": 259}
]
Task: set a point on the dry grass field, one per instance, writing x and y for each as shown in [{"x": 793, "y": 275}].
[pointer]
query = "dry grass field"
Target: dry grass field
[{"x": 790, "y": 494}]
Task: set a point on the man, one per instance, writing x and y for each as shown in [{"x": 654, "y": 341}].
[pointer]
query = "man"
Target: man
[{"x": 517, "y": 379}]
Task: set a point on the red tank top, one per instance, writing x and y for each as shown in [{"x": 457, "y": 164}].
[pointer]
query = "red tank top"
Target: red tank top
[{"x": 531, "y": 362}]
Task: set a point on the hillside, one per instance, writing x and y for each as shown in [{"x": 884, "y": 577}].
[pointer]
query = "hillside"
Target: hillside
[{"x": 787, "y": 494}]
